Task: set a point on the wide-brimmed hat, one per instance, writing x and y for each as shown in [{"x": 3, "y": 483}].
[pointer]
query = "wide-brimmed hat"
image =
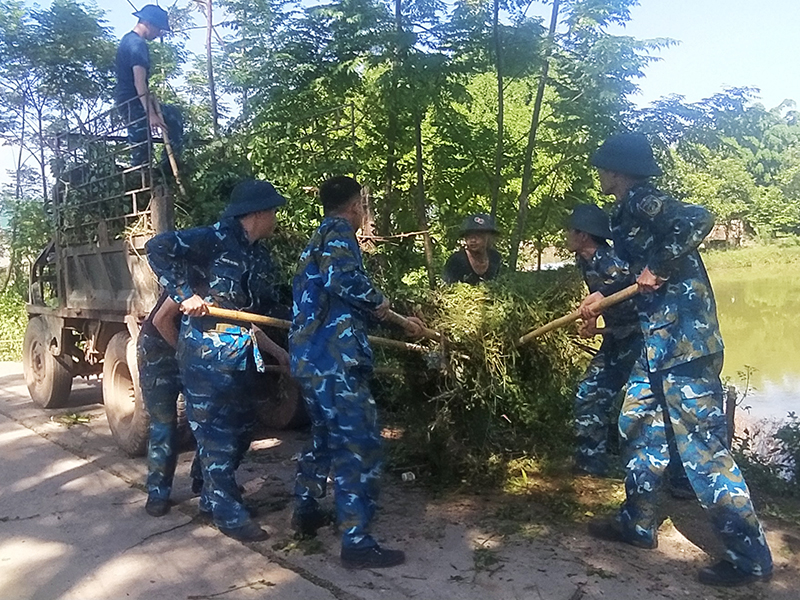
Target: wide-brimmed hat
[
  {"x": 251, "y": 196},
  {"x": 155, "y": 15},
  {"x": 627, "y": 153},
  {"x": 591, "y": 219},
  {"x": 479, "y": 222}
]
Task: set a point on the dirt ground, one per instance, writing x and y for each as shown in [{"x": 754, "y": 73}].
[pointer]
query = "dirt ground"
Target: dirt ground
[{"x": 523, "y": 542}]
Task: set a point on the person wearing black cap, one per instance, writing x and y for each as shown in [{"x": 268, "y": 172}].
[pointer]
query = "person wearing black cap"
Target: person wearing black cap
[
  {"x": 223, "y": 265},
  {"x": 477, "y": 261},
  {"x": 674, "y": 392},
  {"x": 138, "y": 108},
  {"x": 603, "y": 271}
]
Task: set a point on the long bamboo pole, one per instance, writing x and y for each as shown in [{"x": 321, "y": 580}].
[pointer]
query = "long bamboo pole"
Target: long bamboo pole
[
  {"x": 621, "y": 296},
  {"x": 402, "y": 321},
  {"x": 246, "y": 317}
]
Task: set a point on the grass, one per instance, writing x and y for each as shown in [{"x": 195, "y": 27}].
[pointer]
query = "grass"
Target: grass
[{"x": 761, "y": 256}]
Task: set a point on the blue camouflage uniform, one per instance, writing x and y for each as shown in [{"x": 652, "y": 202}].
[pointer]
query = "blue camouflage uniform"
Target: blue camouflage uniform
[
  {"x": 160, "y": 383},
  {"x": 610, "y": 368},
  {"x": 675, "y": 390},
  {"x": 218, "y": 361},
  {"x": 332, "y": 359}
]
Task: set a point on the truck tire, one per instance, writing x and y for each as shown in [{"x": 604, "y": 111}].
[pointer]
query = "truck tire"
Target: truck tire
[
  {"x": 127, "y": 416},
  {"x": 48, "y": 379},
  {"x": 282, "y": 406}
]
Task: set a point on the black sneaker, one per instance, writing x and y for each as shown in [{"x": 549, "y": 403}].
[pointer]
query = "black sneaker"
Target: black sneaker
[
  {"x": 307, "y": 523},
  {"x": 374, "y": 557},
  {"x": 610, "y": 531},
  {"x": 682, "y": 491},
  {"x": 156, "y": 507},
  {"x": 725, "y": 574},
  {"x": 249, "y": 532}
]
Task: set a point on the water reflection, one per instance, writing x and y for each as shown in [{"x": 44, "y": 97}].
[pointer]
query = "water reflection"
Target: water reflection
[{"x": 758, "y": 312}]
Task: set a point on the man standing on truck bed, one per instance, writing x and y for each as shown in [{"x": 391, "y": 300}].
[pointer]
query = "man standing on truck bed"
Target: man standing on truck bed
[
  {"x": 219, "y": 360},
  {"x": 138, "y": 108}
]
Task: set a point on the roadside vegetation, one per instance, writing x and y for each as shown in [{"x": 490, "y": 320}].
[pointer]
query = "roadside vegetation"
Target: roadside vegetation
[{"x": 780, "y": 253}]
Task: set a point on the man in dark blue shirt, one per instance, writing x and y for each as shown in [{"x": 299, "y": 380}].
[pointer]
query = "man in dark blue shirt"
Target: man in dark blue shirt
[{"x": 138, "y": 108}]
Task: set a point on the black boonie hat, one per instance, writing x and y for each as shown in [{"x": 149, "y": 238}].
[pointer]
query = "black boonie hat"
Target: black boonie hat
[
  {"x": 155, "y": 15},
  {"x": 479, "y": 222},
  {"x": 591, "y": 219},
  {"x": 251, "y": 196},
  {"x": 628, "y": 153}
]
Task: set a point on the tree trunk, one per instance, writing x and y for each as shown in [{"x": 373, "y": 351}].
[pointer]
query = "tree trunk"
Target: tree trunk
[
  {"x": 527, "y": 171},
  {"x": 42, "y": 163},
  {"x": 18, "y": 190},
  {"x": 422, "y": 209},
  {"x": 498, "y": 155},
  {"x": 385, "y": 225},
  {"x": 210, "y": 67}
]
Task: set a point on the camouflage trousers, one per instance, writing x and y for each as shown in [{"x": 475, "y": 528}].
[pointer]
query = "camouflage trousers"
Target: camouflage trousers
[
  {"x": 160, "y": 383},
  {"x": 221, "y": 413},
  {"x": 685, "y": 403},
  {"x": 605, "y": 377},
  {"x": 345, "y": 440}
]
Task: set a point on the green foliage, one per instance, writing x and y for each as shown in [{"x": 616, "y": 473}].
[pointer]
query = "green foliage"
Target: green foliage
[
  {"x": 13, "y": 321},
  {"x": 493, "y": 401},
  {"x": 765, "y": 256},
  {"x": 26, "y": 229}
]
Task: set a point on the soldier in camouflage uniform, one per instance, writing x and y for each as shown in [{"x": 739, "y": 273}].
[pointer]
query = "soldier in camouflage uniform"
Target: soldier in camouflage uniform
[
  {"x": 674, "y": 391},
  {"x": 160, "y": 382},
  {"x": 219, "y": 360},
  {"x": 604, "y": 272},
  {"x": 332, "y": 359}
]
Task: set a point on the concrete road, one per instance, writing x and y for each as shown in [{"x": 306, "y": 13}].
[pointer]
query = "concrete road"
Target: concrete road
[{"x": 73, "y": 526}]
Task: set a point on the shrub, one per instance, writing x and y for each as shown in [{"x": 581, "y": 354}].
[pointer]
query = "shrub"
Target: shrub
[
  {"x": 13, "y": 321},
  {"x": 491, "y": 401}
]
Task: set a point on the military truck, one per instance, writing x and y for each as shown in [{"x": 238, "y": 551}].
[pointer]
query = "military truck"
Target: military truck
[{"x": 91, "y": 286}]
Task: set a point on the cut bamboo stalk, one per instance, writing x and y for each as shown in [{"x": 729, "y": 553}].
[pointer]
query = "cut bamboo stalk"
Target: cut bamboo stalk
[
  {"x": 398, "y": 319},
  {"x": 621, "y": 296},
  {"x": 246, "y": 317}
]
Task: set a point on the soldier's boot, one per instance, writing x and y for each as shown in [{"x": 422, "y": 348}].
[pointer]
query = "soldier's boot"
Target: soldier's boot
[
  {"x": 249, "y": 532},
  {"x": 611, "y": 531},
  {"x": 307, "y": 522},
  {"x": 725, "y": 574},
  {"x": 373, "y": 557},
  {"x": 156, "y": 507}
]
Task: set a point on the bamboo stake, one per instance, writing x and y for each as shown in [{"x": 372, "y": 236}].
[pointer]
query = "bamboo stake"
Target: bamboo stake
[
  {"x": 168, "y": 147},
  {"x": 398, "y": 319},
  {"x": 621, "y": 296},
  {"x": 246, "y": 317}
]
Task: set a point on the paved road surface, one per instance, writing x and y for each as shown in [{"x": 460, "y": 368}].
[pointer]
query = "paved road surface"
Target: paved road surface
[{"x": 73, "y": 526}]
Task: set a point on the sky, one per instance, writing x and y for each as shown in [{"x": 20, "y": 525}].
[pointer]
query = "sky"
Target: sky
[{"x": 722, "y": 43}]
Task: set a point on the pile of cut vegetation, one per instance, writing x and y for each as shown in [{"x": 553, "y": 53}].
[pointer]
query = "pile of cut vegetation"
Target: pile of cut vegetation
[{"x": 488, "y": 400}]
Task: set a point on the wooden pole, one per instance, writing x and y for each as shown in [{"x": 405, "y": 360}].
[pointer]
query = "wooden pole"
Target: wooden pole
[
  {"x": 402, "y": 321},
  {"x": 246, "y": 317},
  {"x": 621, "y": 296},
  {"x": 168, "y": 147}
]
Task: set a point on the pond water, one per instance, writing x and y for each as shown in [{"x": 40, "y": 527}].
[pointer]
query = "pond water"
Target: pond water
[{"x": 759, "y": 313}]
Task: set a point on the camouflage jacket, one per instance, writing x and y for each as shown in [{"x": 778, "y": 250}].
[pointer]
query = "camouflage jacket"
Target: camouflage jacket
[
  {"x": 333, "y": 298},
  {"x": 679, "y": 320},
  {"x": 607, "y": 273},
  {"x": 219, "y": 264}
]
